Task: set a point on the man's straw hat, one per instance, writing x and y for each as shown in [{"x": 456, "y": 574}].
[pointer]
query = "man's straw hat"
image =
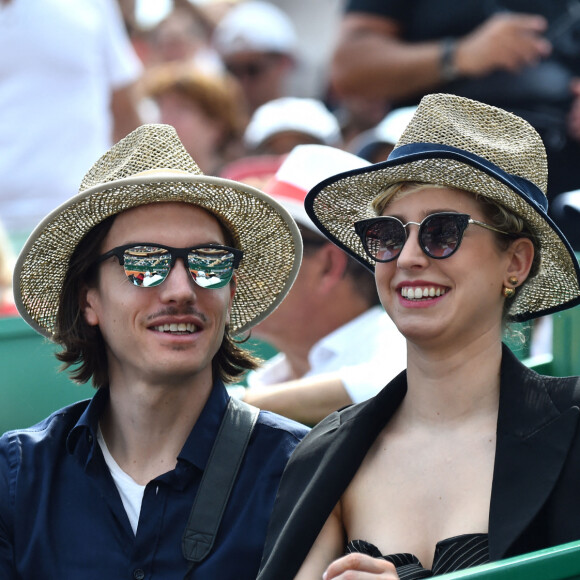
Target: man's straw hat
[
  {"x": 151, "y": 165},
  {"x": 461, "y": 143}
]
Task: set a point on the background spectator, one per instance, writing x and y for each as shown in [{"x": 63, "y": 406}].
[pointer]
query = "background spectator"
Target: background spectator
[
  {"x": 357, "y": 114},
  {"x": 183, "y": 34},
  {"x": 205, "y": 107},
  {"x": 257, "y": 43},
  {"x": 279, "y": 125},
  {"x": 520, "y": 55},
  {"x": 68, "y": 71},
  {"x": 316, "y": 25},
  {"x": 336, "y": 345}
]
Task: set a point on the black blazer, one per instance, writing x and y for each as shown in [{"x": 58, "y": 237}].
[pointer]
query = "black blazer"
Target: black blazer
[{"x": 535, "y": 499}]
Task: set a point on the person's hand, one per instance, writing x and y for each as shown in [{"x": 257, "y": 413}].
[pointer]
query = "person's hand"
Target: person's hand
[
  {"x": 362, "y": 567},
  {"x": 505, "y": 41},
  {"x": 574, "y": 114}
]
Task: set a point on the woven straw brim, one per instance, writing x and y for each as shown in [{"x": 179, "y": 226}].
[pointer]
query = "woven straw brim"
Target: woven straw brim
[
  {"x": 260, "y": 226},
  {"x": 344, "y": 199}
]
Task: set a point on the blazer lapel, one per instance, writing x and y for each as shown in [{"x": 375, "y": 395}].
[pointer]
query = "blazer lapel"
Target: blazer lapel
[
  {"x": 533, "y": 440},
  {"x": 310, "y": 488}
]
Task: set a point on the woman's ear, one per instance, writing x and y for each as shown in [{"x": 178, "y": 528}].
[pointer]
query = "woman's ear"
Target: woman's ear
[
  {"x": 521, "y": 254},
  {"x": 87, "y": 301}
]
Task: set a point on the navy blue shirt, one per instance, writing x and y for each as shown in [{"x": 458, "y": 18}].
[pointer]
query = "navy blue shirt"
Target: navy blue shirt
[{"x": 61, "y": 516}]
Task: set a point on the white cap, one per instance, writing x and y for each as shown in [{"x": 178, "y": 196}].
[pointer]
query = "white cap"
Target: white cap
[
  {"x": 392, "y": 126},
  {"x": 303, "y": 115},
  {"x": 570, "y": 200},
  {"x": 255, "y": 26},
  {"x": 304, "y": 167},
  {"x": 389, "y": 130}
]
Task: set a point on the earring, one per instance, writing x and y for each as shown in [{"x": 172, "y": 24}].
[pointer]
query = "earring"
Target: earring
[{"x": 508, "y": 292}]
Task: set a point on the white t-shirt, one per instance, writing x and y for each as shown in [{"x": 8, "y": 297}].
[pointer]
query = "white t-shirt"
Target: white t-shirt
[
  {"x": 60, "y": 60},
  {"x": 368, "y": 351},
  {"x": 130, "y": 491}
]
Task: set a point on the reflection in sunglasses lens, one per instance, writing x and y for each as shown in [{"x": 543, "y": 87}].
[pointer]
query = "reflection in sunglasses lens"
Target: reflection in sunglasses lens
[
  {"x": 439, "y": 236},
  {"x": 211, "y": 268},
  {"x": 385, "y": 239},
  {"x": 149, "y": 266}
]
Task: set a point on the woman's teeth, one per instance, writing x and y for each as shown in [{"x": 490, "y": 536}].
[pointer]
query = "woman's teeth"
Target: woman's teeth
[{"x": 417, "y": 293}]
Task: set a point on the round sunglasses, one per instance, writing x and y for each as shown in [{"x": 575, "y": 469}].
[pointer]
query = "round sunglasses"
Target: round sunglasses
[
  {"x": 440, "y": 235},
  {"x": 147, "y": 265}
]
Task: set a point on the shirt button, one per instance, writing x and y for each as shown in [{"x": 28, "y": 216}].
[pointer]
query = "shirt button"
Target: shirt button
[{"x": 138, "y": 574}]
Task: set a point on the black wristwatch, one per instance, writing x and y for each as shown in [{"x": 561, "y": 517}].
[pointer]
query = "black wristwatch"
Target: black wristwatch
[{"x": 449, "y": 71}]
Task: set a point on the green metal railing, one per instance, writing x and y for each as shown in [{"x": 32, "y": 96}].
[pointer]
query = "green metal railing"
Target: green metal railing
[{"x": 558, "y": 563}]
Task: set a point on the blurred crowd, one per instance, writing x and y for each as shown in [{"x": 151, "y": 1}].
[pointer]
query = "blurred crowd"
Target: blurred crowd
[{"x": 245, "y": 82}]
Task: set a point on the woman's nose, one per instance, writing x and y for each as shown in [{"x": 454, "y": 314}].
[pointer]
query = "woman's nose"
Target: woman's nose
[{"x": 412, "y": 254}]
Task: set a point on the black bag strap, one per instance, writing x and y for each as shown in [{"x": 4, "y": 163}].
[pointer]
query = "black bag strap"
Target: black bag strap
[{"x": 218, "y": 480}]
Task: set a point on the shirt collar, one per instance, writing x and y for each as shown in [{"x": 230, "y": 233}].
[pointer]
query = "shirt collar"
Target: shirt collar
[
  {"x": 83, "y": 436},
  {"x": 199, "y": 444},
  {"x": 197, "y": 447}
]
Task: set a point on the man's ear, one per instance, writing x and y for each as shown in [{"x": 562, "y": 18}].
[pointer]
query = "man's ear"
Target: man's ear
[
  {"x": 333, "y": 264},
  {"x": 88, "y": 299},
  {"x": 233, "y": 287},
  {"x": 521, "y": 254}
]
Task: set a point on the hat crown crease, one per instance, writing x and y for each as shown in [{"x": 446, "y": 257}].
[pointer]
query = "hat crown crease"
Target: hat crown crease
[
  {"x": 148, "y": 148},
  {"x": 502, "y": 138}
]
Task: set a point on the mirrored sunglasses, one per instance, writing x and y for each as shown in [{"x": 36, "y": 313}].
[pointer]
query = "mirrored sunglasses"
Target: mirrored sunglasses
[
  {"x": 440, "y": 235},
  {"x": 148, "y": 265}
]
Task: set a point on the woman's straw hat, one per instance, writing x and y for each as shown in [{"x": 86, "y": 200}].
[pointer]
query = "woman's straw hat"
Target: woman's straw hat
[
  {"x": 461, "y": 143},
  {"x": 151, "y": 165}
]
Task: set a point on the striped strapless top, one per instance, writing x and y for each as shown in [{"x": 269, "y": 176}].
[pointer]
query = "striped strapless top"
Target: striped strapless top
[{"x": 455, "y": 553}]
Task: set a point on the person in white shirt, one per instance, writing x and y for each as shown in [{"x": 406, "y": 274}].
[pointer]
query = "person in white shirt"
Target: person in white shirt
[
  {"x": 336, "y": 344},
  {"x": 68, "y": 73}
]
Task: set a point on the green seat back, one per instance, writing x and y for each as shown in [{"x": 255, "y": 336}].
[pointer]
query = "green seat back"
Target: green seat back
[
  {"x": 566, "y": 343},
  {"x": 31, "y": 385}
]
